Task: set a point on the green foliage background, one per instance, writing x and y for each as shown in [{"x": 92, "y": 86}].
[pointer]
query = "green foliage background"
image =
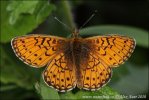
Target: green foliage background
[{"x": 21, "y": 82}]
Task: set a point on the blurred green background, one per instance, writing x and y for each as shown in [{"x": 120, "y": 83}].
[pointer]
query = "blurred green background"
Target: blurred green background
[{"x": 21, "y": 17}]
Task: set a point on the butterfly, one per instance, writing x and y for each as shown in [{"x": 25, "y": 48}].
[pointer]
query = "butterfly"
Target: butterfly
[{"x": 83, "y": 62}]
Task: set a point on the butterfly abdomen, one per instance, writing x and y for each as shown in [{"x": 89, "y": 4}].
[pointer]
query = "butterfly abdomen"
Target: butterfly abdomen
[{"x": 80, "y": 56}]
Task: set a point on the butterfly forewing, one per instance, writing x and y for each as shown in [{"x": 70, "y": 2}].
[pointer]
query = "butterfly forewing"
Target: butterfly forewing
[
  {"x": 37, "y": 50},
  {"x": 113, "y": 50}
]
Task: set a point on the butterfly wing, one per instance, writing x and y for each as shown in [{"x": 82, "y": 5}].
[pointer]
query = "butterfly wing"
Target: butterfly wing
[
  {"x": 96, "y": 74},
  {"x": 104, "y": 53},
  {"x": 36, "y": 50},
  {"x": 113, "y": 49},
  {"x": 60, "y": 74}
]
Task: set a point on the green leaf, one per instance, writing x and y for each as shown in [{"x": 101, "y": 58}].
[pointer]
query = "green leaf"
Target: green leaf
[
  {"x": 134, "y": 82},
  {"x": 103, "y": 93},
  {"x": 7, "y": 87},
  {"x": 21, "y": 17},
  {"x": 140, "y": 35},
  {"x": 20, "y": 7},
  {"x": 118, "y": 73},
  {"x": 68, "y": 96},
  {"x": 10, "y": 92},
  {"x": 47, "y": 93}
]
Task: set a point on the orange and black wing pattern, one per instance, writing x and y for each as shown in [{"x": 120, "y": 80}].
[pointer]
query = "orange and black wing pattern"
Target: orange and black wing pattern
[
  {"x": 60, "y": 74},
  {"x": 36, "y": 50},
  {"x": 95, "y": 75},
  {"x": 112, "y": 49},
  {"x": 105, "y": 52}
]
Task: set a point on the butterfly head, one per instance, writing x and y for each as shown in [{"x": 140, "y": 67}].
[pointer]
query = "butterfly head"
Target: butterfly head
[{"x": 75, "y": 33}]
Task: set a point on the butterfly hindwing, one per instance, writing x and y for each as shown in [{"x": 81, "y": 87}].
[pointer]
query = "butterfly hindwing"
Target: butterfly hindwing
[
  {"x": 96, "y": 74},
  {"x": 59, "y": 74}
]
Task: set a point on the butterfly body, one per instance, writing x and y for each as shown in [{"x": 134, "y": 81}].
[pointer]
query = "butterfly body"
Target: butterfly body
[
  {"x": 77, "y": 55},
  {"x": 83, "y": 62}
]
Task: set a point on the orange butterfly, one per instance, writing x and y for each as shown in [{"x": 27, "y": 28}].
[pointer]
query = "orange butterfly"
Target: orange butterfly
[{"x": 82, "y": 62}]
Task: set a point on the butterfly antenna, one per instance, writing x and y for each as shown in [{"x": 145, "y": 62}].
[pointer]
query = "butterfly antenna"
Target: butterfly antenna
[
  {"x": 62, "y": 23},
  {"x": 89, "y": 19}
]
